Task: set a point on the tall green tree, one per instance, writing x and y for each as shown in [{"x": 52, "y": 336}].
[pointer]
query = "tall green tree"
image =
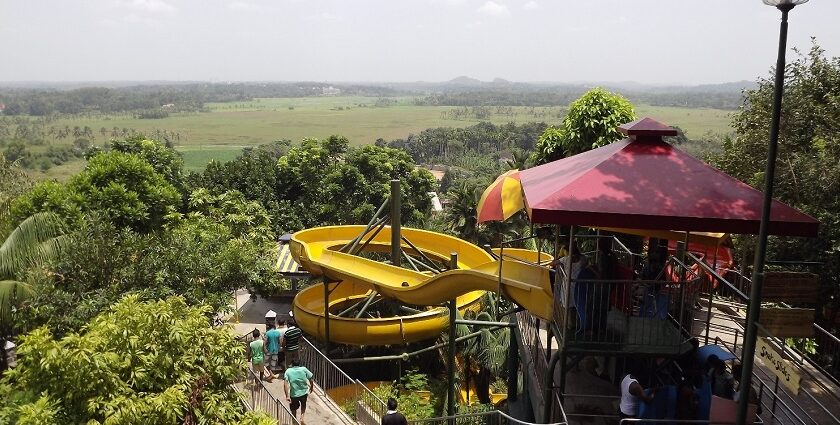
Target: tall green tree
[
  {"x": 35, "y": 241},
  {"x": 591, "y": 123},
  {"x": 808, "y": 166},
  {"x": 158, "y": 362}
]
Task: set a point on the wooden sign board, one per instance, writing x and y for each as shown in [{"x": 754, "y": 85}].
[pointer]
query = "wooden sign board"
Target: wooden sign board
[
  {"x": 781, "y": 367},
  {"x": 791, "y": 287},
  {"x": 788, "y": 322}
]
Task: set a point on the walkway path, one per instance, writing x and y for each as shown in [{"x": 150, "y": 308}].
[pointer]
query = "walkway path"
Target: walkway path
[{"x": 320, "y": 409}]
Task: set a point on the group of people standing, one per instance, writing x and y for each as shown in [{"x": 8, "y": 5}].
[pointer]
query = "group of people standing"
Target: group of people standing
[
  {"x": 590, "y": 300},
  {"x": 265, "y": 356}
]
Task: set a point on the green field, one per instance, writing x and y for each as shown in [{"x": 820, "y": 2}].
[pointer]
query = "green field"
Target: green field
[{"x": 223, "y": 132}]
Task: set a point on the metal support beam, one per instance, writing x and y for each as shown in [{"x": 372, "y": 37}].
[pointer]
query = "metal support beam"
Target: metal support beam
[
  {"x": 549, "y": 384},
  {"x": 453, "y": 315},
  {"x": 484, "y": 323},
  {"x": 423, "y": 254},
  {"x": 326, "y": 315},
  {"x": 396, "y": 204},
  {"x": 367, "y": 304},
  {"x": 513, "y": 361}
]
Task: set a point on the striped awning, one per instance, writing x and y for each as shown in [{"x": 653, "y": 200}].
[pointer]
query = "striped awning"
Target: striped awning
[{"x": 286, "y": 265}]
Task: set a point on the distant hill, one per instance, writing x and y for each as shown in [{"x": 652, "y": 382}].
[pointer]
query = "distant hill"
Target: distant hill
[{"x": 464, "y": 81}]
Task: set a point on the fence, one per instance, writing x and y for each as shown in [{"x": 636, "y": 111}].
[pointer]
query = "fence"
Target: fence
[
  {"x": 263, "y": 401},
  {"x": 367, "y": 407},
  {"x": 493, "y": 417}
]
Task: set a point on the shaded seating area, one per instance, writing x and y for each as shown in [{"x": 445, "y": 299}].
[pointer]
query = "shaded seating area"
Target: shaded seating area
[{"x": 641, "y": 186}]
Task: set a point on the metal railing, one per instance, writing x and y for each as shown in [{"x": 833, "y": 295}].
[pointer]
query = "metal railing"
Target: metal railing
[
  {"x": 828, "y": 359},
  {"x": 492, "y": 417},
  {"x": 367, "y": 407},
  {"x": 262, "y": 400},
  {"x": 532, "y": 345}
]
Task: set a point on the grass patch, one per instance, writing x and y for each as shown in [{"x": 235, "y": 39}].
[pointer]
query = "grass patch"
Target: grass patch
[
  {"x": 221, "y": 133},
  {"x": 197, "y": 157}
]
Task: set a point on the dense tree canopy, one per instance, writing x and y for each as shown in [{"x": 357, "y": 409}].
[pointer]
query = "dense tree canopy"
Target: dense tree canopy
[
  {"x": 808, "y": 167},
  {"x": 591, "y": 123},
  {"x": 158, "y": 362},
  {"x": 123, "y": 187}
]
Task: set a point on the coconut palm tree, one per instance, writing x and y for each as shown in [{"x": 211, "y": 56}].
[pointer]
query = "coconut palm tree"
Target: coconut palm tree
[
  {"x": 461, "y": 211},
  {"x": 34, "y": 241}
]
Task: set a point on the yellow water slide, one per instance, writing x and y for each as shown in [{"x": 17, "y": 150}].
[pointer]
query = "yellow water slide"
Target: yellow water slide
[{"x": 317, "y": 250}]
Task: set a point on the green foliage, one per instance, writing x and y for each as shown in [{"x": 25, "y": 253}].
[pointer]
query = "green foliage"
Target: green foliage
[
  {"x": 341, "y": 185},
  {"x": 165, "y": 160},
  {"x": 158, "y": 362},
  {"x": 47, "y": 196},
  {"x": 35, "y": 241},
  {"x": 550, "y": 145},
  {"x": 808, "y": 165},
  {"x": 410, "y": 402},
  {"x": 591, "y": 123},
  {"x": 126, "y": 189},
  {"x": 804, "y": 345},
  {"x": 197, "y": 256}
]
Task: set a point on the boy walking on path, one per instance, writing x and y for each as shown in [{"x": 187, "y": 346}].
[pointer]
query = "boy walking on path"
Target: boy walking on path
[
  {"x": 258, "y": 353},
  {"x": 297, "y": 387},
  {"x": 273, "y": 336},
  {"x": 291, "y": 343}
]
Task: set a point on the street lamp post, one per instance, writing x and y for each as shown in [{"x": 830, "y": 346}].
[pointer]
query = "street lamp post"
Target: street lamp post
[{"x": 754, "y": 308}]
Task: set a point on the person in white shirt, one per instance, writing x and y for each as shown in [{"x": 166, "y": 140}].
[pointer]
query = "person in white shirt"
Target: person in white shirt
[{"x": 631, "y": 392}]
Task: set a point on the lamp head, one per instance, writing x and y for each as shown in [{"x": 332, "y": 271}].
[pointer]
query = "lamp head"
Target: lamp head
[{"x": 784, "y": 4}]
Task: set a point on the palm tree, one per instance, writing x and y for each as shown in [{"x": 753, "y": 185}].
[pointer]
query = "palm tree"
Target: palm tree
[
  {"x": 34, "y": 241},
  {"x": 518, "y": 161},
  {"x": 461, "y": 211},
  {"x": 487, "y": 353}
]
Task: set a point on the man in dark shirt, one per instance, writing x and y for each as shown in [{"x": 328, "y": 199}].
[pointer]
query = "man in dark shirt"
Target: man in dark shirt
[
  {"x": 291, "y": 342},
  {"x": 392, "y": 417}
]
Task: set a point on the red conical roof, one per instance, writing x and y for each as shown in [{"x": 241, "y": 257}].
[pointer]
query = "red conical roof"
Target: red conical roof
[{"x": 649, "y": 184}]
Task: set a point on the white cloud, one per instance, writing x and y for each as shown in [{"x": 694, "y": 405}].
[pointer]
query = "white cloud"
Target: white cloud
[
  {"x": 241, "y": 5},
  {"x": 531, "y": 5},
  {"x": 473, "y": 25},
  {"x": 491, "y": 8},
  {"x": 152, "y": 6}
]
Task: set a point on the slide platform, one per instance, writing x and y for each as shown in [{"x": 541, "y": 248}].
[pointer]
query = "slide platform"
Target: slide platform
[{"x": 316, "y": 250}]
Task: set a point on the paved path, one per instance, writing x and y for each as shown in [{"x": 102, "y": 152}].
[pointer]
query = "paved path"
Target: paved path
[{"x": 320, "y": 409}]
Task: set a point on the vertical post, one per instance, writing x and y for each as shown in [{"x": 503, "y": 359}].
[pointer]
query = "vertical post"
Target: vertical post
[
  {"x": 754, "y": 306},
  {"x": 775, "y": 395},
  {"x": 513, "y": 360},
  {"x": 450, "y": 407},
  {"x": 396, "y": 204},
  {"x": 326, "y": 315}
]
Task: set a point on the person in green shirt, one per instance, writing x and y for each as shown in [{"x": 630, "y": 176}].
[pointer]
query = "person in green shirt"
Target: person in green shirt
[
  {"x": 297, "y": 387},
  {"x": 258, "y": 354}
]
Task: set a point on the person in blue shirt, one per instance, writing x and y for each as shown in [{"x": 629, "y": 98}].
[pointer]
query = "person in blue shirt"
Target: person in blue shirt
[{"x": 273, "y": 336}]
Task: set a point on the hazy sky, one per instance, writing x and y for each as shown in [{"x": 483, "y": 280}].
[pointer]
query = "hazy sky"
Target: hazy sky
[{"x": 649, "y": 41}]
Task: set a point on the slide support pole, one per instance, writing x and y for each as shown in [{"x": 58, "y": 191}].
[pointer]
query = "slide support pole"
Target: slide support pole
[
  {"x": 453, "y": 313},
  {"x": 396, "y": 204}
]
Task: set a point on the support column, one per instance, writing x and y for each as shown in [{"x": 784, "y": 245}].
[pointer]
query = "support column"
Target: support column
[
  {"x": 450, "y": 408},
  {"x": 396, "y": 204},
  {"x": 326, "y": 315},
  {"x": 513, "y": 360}
]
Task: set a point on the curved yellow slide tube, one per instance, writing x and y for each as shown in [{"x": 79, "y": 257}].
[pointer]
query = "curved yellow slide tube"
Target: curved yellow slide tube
[{"x": 316, "y": 250}]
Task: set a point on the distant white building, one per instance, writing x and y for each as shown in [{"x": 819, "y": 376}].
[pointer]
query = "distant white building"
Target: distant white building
[
  {"x": 436, "y": 204},
  {"x": 330, "y": 91}
]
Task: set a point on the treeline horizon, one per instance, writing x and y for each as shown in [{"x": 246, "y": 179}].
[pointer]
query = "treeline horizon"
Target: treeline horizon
[{"x": 462, "y": 91}]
